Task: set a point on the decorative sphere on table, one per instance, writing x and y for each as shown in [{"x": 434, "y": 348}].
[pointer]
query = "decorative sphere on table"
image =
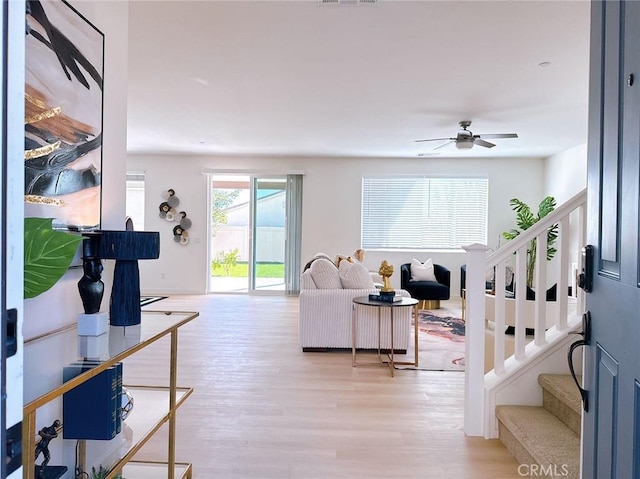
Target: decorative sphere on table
[{"x": 127, "y": 403}]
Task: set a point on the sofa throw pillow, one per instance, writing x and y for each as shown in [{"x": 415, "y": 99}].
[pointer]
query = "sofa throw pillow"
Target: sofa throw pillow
[
  {"x": 355, "y": 276},
  {"x": 341, "y": 257},
  {"x": 317, "y": 256},
  {"x": 422, "y": 271},
  {"x": 306, "y": 281},
  {"x": 325, "y": 274}
]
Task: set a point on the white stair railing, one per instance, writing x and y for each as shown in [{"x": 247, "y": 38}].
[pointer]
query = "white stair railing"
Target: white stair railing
[{"x": 547, "y": 319}]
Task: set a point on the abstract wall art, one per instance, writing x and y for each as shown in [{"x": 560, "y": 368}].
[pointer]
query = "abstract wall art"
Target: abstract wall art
[
  {"x": 63, "y": 116},
  {"x": 169, "y": 212}
]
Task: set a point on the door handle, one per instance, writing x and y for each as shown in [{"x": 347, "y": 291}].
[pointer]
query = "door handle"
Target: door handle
[{"x": 585, "y": 341}]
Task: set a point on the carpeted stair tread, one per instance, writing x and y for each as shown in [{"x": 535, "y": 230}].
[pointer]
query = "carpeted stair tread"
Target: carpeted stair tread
[
  {"x": 563, "y": 387},
  {"x": 560, "y": 396},
  {"x": 545, "y": 438}
]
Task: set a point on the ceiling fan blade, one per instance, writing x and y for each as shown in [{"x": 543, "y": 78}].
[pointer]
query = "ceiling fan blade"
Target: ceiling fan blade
[
  {"x": 498, "y": 135},
  {"x": 486, "y": 144},
  {"x": 435, "y": 139},
  {"x": 444, "y": 144}
]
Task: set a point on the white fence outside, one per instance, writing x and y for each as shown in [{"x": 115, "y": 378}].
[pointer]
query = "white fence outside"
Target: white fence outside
[{"x": 269, "y": 249}]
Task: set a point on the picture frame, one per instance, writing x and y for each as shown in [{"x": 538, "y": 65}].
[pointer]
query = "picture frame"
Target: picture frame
[{"x": 63, "y": 116}]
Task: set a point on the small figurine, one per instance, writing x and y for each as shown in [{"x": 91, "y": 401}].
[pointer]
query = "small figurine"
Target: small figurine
[
  {"x": 90, "y": 286},
  {"x": 386, "y": 270},
  {"x": 46, "y": 435}
]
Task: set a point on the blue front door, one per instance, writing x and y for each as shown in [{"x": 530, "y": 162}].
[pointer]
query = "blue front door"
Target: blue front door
[{"x": 611, "y": 430}]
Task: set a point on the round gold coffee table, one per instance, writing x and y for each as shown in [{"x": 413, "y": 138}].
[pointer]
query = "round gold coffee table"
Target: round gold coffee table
[{"x": 404, "y": 303}]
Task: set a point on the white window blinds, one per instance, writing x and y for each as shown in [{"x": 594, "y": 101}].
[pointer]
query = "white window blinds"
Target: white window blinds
[
  {"x": 417, "y": 212},
  {"x": 135, "y": 199}
]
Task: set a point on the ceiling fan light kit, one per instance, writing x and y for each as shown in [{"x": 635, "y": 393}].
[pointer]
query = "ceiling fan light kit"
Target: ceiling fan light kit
[
  {"x": 464, "y": 144},
  {"x": 465, "y": 139}
]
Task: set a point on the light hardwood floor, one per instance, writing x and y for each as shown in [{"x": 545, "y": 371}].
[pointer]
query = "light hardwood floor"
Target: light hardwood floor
[{"x": 264, "y": 409}]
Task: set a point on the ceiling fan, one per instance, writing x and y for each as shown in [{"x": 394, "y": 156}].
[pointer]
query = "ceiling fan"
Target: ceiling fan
[{"x": 465, "y": 139}]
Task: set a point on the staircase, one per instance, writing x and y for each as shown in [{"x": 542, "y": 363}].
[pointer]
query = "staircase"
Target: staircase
[
  {"x": 545, "y": 439},
  {"x": 519, "y": 359}
]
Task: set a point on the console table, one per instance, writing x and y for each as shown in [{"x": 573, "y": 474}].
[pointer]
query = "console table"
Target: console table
[
  {"x": 380, "y": 305},
  {"x": 44, "y": 359}
]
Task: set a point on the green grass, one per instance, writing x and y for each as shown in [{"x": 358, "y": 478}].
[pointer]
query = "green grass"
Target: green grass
[{"x": 241, "y": 270}]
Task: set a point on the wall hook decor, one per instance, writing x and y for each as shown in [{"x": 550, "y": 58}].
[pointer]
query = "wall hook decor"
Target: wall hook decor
[{"x": 168, "y": 212}]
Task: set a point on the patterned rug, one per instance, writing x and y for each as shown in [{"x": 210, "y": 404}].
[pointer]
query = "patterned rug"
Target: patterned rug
[
  {"x": 145, "y": 300},
  {"x": 440, "y": 342}
]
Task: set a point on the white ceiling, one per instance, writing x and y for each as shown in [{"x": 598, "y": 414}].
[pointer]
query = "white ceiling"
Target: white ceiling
[{"x": 304, "y": 79}]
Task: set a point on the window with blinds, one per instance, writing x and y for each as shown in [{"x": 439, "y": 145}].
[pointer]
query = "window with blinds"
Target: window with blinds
[
  {"x": 418, "y": 212},
  {"x": 135, "y": 199}
]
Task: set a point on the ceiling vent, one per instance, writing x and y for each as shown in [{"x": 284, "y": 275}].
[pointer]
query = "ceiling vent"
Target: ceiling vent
[{"x": 347, "y": 2}]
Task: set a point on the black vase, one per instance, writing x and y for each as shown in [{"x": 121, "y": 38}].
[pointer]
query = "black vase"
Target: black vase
[{"x": 90, "y": 286}]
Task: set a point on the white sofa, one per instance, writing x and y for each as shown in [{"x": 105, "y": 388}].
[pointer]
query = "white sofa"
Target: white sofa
[{"x": 326, "y": 309}]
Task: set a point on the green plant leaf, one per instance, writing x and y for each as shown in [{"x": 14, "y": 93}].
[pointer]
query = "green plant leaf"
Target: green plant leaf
[
  {"x": 524, "y": 216},
  {"x": 517, "y": 205},
  {"x": 525, "y": 219},
  {"x": 547, "y": 205},
  {"x": 47, "y": 255},
  {"x": 510, "y": 234},
  {"x": 552, "y": 236}
]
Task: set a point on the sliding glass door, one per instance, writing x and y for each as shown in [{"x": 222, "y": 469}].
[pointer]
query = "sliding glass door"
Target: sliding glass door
[
  {"x": 269, "y": 226},
  {"x": 230, "y": 233},
  {"x": 249, "y": 234}
]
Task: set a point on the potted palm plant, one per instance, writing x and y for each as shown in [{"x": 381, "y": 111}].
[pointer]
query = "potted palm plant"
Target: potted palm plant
[{"x": 525, "y": 219}]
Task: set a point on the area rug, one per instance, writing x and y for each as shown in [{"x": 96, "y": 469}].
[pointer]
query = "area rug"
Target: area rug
[
  {"x": 441, "y": 345},
  {"x": 145, "y": 300}
]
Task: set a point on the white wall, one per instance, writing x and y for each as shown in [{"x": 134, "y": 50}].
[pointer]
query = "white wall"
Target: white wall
[
  {"x": 339, "y": 213},
  {"x": 61, "y": 305},
  {"x": 184, "y": 269},
  {"x": 565, "y": 174},
  {"x": 331, "y": 207},
  {"x": 12, "y": 203}
]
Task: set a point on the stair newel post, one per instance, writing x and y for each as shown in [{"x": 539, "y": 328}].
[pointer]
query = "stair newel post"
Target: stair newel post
[{"x": 474, "y": 413}]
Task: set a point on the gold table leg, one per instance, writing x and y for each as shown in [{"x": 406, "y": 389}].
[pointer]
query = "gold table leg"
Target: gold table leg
[
  {"x": 415, "y": 334},
  {"x": 415, "y": 338},
  {"x": 353, "y": 335},
  {"x": 29, "y": 445},
  {"x": 173, "y": 375},
  {"x": 464, "y": 302},
  {"x": 390, "y": 359},
  {"x": 393, "y": 366}
]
